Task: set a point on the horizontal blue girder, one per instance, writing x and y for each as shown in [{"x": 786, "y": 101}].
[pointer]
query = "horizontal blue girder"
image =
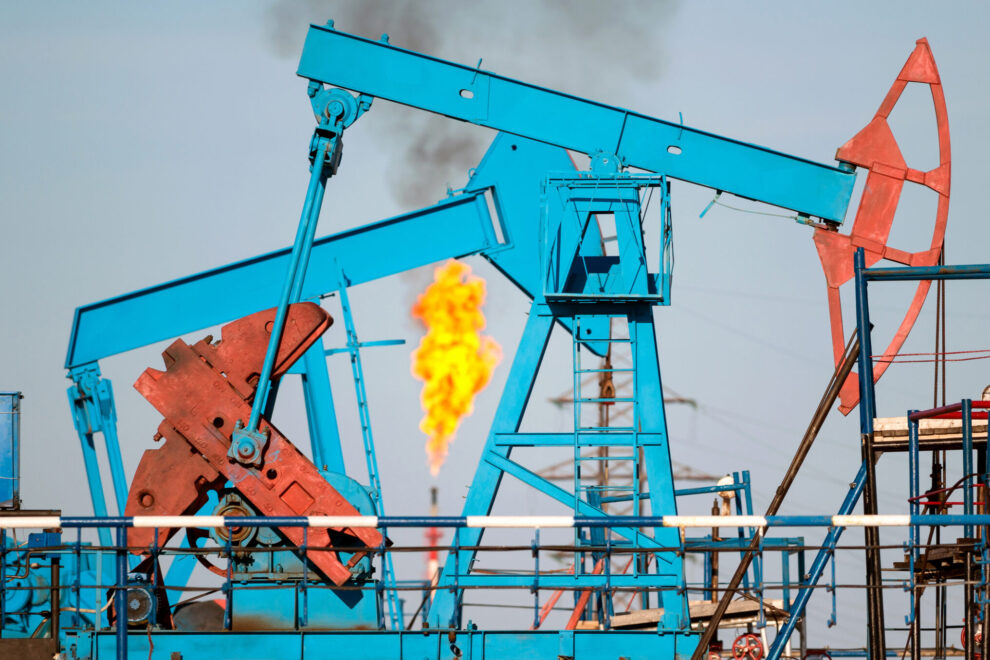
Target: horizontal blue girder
[
  {"x": 583, "y": 439},
  {"x": 907, "y": 273},
  {"x": 512, "y": 171},
  {"x": 483, "y": 98},
  {"x": 456, "y": 227},
  {"x": 783, "y": 543},
  {"x": 699, "y": 490},
  {"x": 569, "y": 582},
  {"x": 418, "y": 644}
]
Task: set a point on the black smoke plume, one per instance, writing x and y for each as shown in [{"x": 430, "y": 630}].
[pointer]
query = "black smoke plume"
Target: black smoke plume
[{"x": 590, "y": 49}]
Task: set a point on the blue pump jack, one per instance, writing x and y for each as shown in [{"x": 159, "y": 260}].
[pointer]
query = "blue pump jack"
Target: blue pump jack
[{"x": 545, "y": 236}]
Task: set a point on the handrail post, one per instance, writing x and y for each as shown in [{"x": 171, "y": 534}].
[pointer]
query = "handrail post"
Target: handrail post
[{"x": 120, "y": 592}]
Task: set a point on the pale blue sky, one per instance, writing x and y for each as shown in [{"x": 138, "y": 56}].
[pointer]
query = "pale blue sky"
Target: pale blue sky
[{"x": 145, "y": 142}]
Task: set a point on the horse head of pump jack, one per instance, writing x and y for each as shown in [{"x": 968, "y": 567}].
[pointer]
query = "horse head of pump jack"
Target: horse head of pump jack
[{"x": 875, "y": 148}]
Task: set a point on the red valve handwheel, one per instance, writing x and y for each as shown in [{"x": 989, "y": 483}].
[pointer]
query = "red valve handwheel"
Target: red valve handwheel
[{"x": 748, "y": 646}]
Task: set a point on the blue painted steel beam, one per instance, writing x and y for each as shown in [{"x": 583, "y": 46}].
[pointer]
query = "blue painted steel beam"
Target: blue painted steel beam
[
  {"x": 320, "y": 413},
  {"x": 914, "y": 485},
  {"x": 454, "y": 227},
  {"x": 700, "y": 490},
  {"x": 967, "y": 456},
  {"x": 512, "y": 170},
  {"x": 867, "y": 387},
  {"x": 360, "y": 344},
  {"x": 625, "y": 527},
  {"x": 650, "y": 416},
  {"x": 907, "y": 273},
  {"x": 92, "y": 406},
  {"x": 10, "y": 448},
  {"x": 567, "y": 582},
  {"x": 480, "y": 97},
  {"x": 419, "y": 644},
  {"x": 487, "y": 478},
  {"x": 567, "y": 440},
  {"x": 793, "y": 543}
]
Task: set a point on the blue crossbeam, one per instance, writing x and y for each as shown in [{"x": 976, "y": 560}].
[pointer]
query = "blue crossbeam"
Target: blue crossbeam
[
  {"x": 480, "y": 97},
  {"x": 511, "y": 172},
  {"x": 455, "y": 227},
  {"x": 910, "y": 274},
  {"x": 387, "y": 645},
  {"x": 365, "y": 344},
  {"x": 569, "y": 582},
  {"x": 583, "y": 440}
]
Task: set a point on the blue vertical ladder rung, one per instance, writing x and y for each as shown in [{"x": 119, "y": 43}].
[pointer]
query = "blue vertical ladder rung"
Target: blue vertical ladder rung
[
  {"x": 604, "y": 458},
  {"x": 604, "y": 430}
]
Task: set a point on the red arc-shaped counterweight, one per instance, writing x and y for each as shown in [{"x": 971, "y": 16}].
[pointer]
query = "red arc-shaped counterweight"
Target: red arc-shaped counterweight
[
  {"x": 205, "y": 389},
  {"x": 875, "y": 149}
]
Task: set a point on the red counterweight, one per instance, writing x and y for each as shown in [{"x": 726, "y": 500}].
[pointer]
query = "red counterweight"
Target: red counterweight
[
  {"x": 204, "y": 391},
  {"x": 875, "y": 149}
]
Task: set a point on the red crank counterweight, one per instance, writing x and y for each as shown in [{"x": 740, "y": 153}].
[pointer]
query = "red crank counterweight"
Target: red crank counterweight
[
  {"x": 205, "y": 390},
  {"x": 875, "y": 148}
]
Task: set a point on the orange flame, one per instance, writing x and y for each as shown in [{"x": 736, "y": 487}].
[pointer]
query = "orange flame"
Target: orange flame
[{"x": 454, "y": 360}]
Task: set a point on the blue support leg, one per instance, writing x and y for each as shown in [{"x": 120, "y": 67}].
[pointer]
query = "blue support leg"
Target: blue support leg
[
  {"x": 914, "y": 482},
  {"x": 817, "y": 567},
  {"x": 656, "y": 457},
  {"x": 322, "y": 416},
  {"x": 967, "y": 438},
  {"x": 87, "y": 424},
  {"x": 481, "y": 495}
]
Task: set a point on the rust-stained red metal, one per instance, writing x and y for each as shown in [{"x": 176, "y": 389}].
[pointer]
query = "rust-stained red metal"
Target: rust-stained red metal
[
  {"x": 205, "y": 389},
  {"x": 875, "y": 148}
]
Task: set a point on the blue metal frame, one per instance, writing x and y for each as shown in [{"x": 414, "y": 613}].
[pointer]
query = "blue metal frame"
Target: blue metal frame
[
  {"x": 867, "y": 413},
  {"x": 10, "y": 450},
  {"x": 93, "y": 411},
  {"x": 461, "y": 225},
  {"x": 486, "y": 99},
  {"x": 510, "y": 172},
  {"x": 587, "y": 289},
  {"x": 546, "y": 260},
  {"x": 914, "y": 417},
  {"x": 498, "y": 644},
  {"x": 321, "y": 414}
]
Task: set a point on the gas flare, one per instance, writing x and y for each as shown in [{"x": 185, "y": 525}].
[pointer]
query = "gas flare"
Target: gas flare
[{"x": 454, "y": 360}]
